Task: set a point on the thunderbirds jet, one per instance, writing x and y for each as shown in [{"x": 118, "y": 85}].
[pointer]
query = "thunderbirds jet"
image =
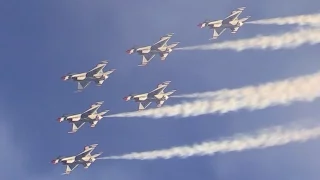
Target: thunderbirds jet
[
  {"x": 160, "y": 47},
  {"x": 85, "y": 158},
  {"x": 157, "y": 95},
  {"x": 84, "y": 79},
  {"x": 91, "y": 116},
  {"x": 232, "y": 22}
]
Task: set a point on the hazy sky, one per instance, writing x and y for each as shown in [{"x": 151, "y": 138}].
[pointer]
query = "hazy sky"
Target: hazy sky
[{"x": 42, "y": 40}]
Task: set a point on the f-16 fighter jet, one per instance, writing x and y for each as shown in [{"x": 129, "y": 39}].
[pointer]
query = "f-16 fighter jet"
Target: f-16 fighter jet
[
  {"x": 232, "y": 22},
  {"x": 85, "y": 158},
  {"x": 157, "y": 95},
  {"x": 160, "y": 47},
  {"x": 91, "y": 116},
  {"x": 85, "y": 78}
]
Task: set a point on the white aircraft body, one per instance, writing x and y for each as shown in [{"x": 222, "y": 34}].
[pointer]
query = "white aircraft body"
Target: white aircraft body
[
  {"x": 96, "y": 75},
  {"x": 161, "y": 48},
  {"x": 90, "y": 116},
  {"x": 157, "y": 95},
  {"x": 232, "y": 22},
  {"x": 85, "y": 158}
]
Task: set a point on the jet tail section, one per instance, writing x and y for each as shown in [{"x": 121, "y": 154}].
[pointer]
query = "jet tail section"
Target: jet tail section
[
  {"x": 173, "y": 45},
  {"x": 97, "y": 155},
  {"x": 244, "y": 19},
  {"x": 170, "y": 92},
  {"x": 109, "y": 72}
]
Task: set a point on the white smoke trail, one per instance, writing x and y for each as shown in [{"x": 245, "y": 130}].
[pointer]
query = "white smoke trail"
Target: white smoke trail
[
  {"x": 221, "y": 94},
  {"x": 287, "y": 40},
  {"x": 304, "y": 88},
  {"x": 266, "y": 138},
  {"x": 238, "y": 93},
  {"x": 310, "y": 19}
]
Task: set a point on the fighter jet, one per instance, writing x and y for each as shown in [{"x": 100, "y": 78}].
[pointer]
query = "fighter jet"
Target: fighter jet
[
  {"x": 160, "y": 47},
  {"x": 85, "y": 158},
  {"x": 91, "y": 116},
  {"x": 85, "y": 78},
  {"x": 157, "y": 95},
  {"x": 232, "y": 22}
]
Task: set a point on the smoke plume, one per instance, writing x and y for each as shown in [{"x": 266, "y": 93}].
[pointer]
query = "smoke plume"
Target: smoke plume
[
  {"x": 310, "y": 19},
  {"x": 276, "y": 136},
  {"x": 303, "y": 88},
  {"x": 287, "y": 40}
]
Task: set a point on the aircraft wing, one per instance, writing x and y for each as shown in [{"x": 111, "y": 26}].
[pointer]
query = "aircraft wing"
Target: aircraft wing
[
  {"x": 217, "y": 32},
  {"x": 76, "y": 126},
  {"x": 143, "y": 105},
  {"x": 70, "y": 167},
  {"x": 234, "y": 14},
  {"x": 160, "y": 88},
  {"x": 98, "y": 69},
  {"x": 83, "y": 84},
  {"x": 146, "y": 59},
  {"x": 87, "y": 151},
  {"x": 162, "y": 42},
  {"x": 93, "y": 109}
]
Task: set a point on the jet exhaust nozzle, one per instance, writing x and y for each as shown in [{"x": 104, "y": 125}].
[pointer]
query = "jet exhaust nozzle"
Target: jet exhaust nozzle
[{"x": 99, "y": 117}]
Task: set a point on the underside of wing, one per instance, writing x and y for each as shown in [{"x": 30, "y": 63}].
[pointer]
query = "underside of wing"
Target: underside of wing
[
  {"x": 160, "y": 88},
  {"x": 217, "y": 32},
  {"x": 144, "y": 105},
  {"x": 76, "y": 126},
  {"x": 146, "y": 59},
  {"x": 234, "y": 15},
  {"x": 93, "y": 109},
  {"x": 71, "y": 167},
  {"x": 83, "y": 84},
  {"x": 163, "y": 41},
  {"x": 98, "y": 69}
]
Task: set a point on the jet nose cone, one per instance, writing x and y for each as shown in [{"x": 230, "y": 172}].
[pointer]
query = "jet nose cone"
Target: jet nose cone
[
  {"x": 60, "y": 119},
  {"x": 54, "y": 161},
  {"x": 127, "y": 98},
  {"x": 201, "y": 25},
  {"x": 65, "y": 78},
  {"x": 129, "y": 51}
]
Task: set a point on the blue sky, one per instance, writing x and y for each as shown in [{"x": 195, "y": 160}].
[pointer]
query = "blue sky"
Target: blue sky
[{"x": 43, "y": 40}]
